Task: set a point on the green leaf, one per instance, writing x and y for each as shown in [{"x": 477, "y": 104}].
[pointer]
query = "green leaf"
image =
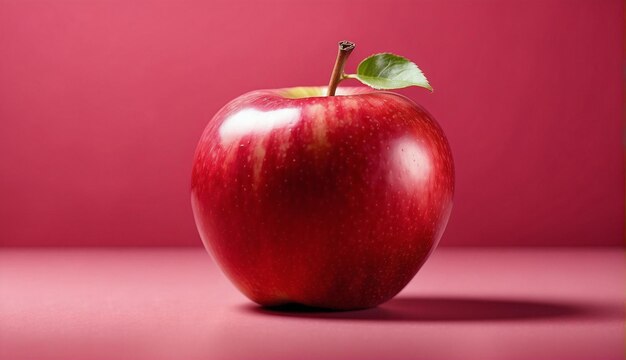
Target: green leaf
[{"x": 389, "y": 71}]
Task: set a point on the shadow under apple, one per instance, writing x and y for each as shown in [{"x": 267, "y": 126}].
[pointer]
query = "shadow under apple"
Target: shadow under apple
[{"x": 411, "y": 308}]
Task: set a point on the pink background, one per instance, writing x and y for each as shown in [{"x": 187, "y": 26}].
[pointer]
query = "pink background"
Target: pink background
[{"x": 102, "y": 102}]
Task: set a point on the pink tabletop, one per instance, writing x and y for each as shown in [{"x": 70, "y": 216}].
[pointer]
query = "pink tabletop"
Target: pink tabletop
[{"x": 175, "y": 304}]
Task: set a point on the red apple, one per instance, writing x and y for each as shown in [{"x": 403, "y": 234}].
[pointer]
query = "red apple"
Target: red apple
[{"x": 327, "y": 201}]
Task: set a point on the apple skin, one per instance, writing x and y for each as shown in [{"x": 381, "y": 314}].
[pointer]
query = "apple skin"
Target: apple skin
[{"x": 331, "y": 202}]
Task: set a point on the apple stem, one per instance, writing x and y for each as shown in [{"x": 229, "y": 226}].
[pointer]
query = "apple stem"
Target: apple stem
[{"x": 345, "y": 48}]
